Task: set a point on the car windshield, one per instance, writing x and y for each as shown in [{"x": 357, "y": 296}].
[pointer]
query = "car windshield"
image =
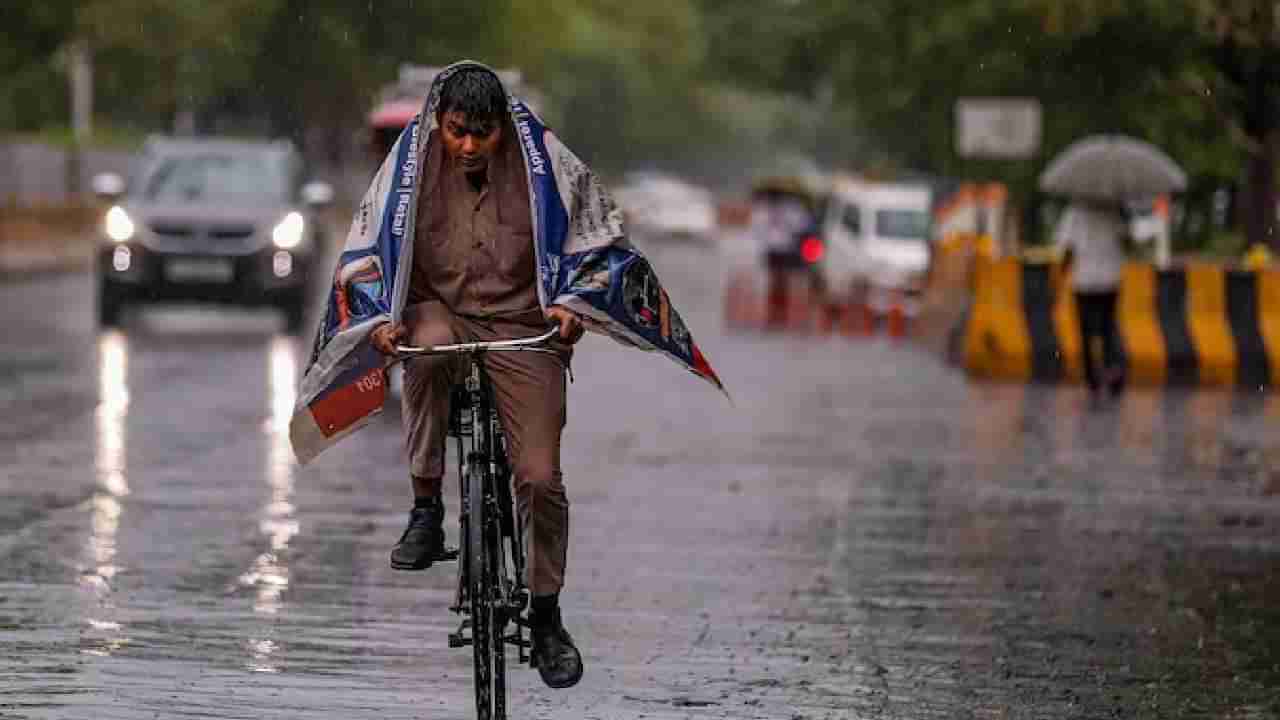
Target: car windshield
[
  {"x": 902, "y": 224},
  {"x": 240, "y": 178}
]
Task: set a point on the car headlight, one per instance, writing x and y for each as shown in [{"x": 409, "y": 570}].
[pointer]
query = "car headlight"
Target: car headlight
[
  {"x": 288, "y": 234},
  {"x": 119, "y": 226}
]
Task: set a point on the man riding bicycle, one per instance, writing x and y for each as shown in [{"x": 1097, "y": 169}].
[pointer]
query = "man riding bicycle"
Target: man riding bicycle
[
  {"x": 481, "y": 225},
  {"x": 474, "y": 278}
]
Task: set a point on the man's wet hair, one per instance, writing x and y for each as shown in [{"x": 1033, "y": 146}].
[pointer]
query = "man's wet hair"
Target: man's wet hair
[{"x": 475, "y": 93}]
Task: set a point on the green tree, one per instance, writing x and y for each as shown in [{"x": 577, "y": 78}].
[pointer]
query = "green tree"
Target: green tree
[
  {"x": 30, "y": 37},
  {"x": 1198, "y": 77},
  {"x": 622, "y": 76},
  {"x": 1243, "y": 41}
]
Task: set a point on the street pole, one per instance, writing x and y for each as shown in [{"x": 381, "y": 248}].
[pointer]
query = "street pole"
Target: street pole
[
  {"x": 184, "y": 116},
  {"x": 81, "y": 76}
]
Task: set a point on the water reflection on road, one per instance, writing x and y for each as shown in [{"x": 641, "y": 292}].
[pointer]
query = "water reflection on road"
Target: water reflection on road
[
  {"x": 111, "y": 472},
  {"x": 278, "y": 522}
]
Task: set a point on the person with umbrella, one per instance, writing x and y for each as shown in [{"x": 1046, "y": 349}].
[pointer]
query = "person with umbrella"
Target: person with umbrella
[
  {"x": 1099, "y": 174},
  {"x": 1090, "y": 236}
]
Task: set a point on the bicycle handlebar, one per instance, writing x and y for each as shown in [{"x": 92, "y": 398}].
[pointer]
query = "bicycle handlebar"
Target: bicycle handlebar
[{"x": 527, "y": 343}]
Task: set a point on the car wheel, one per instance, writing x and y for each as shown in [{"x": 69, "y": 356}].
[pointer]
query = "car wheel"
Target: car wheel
[{"x": 110, "y": 308}]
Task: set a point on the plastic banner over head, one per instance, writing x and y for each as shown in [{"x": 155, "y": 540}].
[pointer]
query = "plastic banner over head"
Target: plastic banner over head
[{"x": 584, "y": 262}]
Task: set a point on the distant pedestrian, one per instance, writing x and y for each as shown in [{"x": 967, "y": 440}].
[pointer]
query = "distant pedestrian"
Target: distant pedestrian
[
  {"x": 1091, "y": 237},
  {"x": 777, "y": 218}
]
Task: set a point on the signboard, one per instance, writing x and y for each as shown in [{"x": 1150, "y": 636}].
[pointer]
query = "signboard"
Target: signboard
[{"x": 998, "y": 127}]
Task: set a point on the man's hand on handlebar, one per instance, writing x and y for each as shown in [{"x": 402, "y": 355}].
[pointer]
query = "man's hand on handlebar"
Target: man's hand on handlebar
[
  {"x": 386, "y": 336},
  {"x": 571, "y": 328}
]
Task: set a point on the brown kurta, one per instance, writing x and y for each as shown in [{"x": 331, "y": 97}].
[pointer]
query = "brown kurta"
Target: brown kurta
[
  {"x": 474, "y": 279},
  {"x": 474, "y": 252}
]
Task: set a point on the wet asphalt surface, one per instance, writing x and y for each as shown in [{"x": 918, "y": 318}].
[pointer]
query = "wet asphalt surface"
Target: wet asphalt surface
[{"x": 862, "y": 534}]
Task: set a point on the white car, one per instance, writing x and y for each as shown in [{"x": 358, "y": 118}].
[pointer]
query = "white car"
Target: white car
[
  {"x": 665, "y": 206},
  {"x": 875, "y": 236}
]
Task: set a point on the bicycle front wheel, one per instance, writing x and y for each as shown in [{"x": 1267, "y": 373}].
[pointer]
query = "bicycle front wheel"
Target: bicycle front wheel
[{"x": 487, "y": 618}]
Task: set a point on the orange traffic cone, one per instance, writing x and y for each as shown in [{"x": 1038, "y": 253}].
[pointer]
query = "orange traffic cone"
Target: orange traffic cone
[
  {"x": 777, "y": 300},
  {"x": 826, "y": 318},
  {"x": 858, "y": 320},
  {"x": 799, "y": 316},
  {"x": 896, "y": 317},
  {"x": 744, "y": 304},
  {"x": 735, "y": 302}
]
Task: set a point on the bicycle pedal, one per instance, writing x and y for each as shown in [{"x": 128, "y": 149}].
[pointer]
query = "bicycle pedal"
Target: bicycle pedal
[
  {"x": 447, "y": 554},
  {"x": 457, "y": 640}
]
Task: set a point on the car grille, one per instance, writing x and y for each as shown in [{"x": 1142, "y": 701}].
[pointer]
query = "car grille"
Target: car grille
[
  {"x": 187, "y": 238},
  {"x": 173, "y": 232},
  {"x": 230, "y": 232}
]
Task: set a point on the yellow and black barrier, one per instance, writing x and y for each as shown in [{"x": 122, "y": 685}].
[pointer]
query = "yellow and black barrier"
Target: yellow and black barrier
[{"x": 1200, "y": 324}]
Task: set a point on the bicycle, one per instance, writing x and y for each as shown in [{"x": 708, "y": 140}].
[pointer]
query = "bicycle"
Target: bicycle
[{"x": 491, "y": 588}]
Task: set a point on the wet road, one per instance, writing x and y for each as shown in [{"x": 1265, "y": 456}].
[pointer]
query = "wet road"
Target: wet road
[{"x": 863, "y": 534}]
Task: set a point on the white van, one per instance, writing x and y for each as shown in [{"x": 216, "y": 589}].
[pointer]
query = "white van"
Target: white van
[{"x": 876, "y": 236}]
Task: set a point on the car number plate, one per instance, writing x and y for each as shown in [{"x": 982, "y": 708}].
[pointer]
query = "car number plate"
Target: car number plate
[{"x": 199, "y": 270}]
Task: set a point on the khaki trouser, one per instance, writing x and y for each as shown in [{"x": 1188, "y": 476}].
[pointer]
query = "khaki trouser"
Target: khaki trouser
[{"x": 529, "y": 389}]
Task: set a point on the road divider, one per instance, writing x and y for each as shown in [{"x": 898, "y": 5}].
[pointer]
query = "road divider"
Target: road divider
[{"x": 1016, "y": 319}]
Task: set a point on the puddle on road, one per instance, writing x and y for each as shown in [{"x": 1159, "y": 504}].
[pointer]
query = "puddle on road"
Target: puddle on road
[
  {"x": 1132, "y": 551},
  {"x": 269, "y": 574}
]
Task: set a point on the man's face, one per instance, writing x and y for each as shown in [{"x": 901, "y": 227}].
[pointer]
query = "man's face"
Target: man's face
[{"x": 470, "y": 143}]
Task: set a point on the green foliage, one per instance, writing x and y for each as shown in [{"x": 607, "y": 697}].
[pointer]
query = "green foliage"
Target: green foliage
[
  {"x": 713, "y": 87},
  {"x": 1226, "y": 245},
  {"x": 31, "y": 30},
  {"x": 618, "y": 71},
  {"x": 1200, "y": 78}
]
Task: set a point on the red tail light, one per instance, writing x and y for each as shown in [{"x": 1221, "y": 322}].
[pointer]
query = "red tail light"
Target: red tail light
[{"x": 811, "y": 249}]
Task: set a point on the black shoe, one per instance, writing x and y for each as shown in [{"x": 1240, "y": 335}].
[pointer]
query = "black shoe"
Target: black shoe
[
  {"x": 554, "y": 654},
  {"x": 423, "y": 540}
]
